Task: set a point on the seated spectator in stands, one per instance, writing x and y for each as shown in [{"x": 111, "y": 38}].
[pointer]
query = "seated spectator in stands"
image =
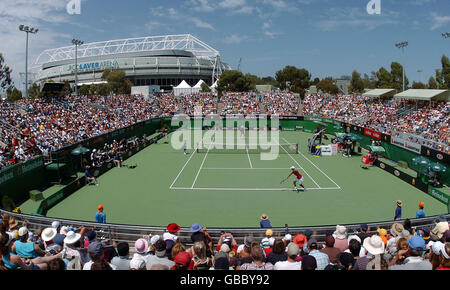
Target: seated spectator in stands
[
  {"x": 201, "y": 261},
  {"x": 177, "y": 248},
  {"x": 373, "y": 258},
  {"x": 444, "y": 258},
  {"x": 264, "y": 221},
  {"x": 182, "y": 261},
  {"x": 293, "y": 251},
  {"x": 137, "y": 264},
  {"x": 340, "y": 236},
  {"x": 91, "y": 236},
  {"x": 322, "y": 259},
  {"x": 391, "y": 246},
  {"x": 51, "y": 247},
  {"x": 330, "y": 249},
  {"x": 221, "y": 264},
  {"x": 265, "y": 242},
  {"x": 258, "y": 261},
  {"x": 141, "y": 247},
  {"x": 354, "y": 247},
  {"x": 415, "y": 261},
  {"x": 364, "y": 232},
  {"x": 60, "y": 234},
  {"x": 300, "y": 240},
  {"x": 56, "y": 265},
  {"x": 421, "y": 212},
  {"x": 100, "y": 216},
  {"x": 75, "y": 257},
  {"x": 170, "y": 234},
  {"x": 122, "y": 262},
  {"x": 96, "y": 252},
  {"x": 309, "y": 263},
  {"x": 25, "y": 248},
  {"x": 346, "y": 260},
  {"x": 382, "y": 233},
  {"x": 278, "y": 252},
  {"x": 161, "y": 256},
  {"x": 437, "y": 233},
  {"x": 227, "y": 238},
  {"x": 12, "y": 261},
  {"x": 89, "y": 177},
  {"x": 244, "y": 254}
]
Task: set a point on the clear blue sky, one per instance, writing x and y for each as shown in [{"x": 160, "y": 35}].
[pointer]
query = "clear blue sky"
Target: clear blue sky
[{"x": 327, "y": 37}]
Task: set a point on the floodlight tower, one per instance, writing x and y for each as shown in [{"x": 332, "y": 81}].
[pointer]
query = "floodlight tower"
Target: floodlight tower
[
  {"x": 76, "y": 42},
  {"x": 27, "y": 30},
  {"x": 402, "y": 45}
]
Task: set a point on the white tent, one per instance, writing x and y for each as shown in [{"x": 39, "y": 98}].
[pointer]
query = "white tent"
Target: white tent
[
  {"x": 198, "y": 87},
  {"x": 182, "y": 88}
]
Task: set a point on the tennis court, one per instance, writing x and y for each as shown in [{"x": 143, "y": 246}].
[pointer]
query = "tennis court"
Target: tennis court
[{"x": 232, "y": 187}]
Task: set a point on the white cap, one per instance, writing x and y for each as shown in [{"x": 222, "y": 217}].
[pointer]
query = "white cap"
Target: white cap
[
  {"x": 240, "y": 248},
  {"x": 288, "y": 237},
  {"x": 56, "y": 224},
  {"x": 23, "y": 231},
  {"x": 292, "y": 167},
  {"x": 154, "y": 239},
  {"x": 64, "y": 230}
]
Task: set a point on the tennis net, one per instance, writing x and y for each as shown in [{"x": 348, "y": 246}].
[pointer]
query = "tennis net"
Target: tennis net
[{"x": 223, "y": 148}]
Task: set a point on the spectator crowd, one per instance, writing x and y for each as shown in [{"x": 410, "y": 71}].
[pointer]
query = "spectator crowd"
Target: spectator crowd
[
  {"x": 30, "y": 128},
  {"x": 61, "y": 247}
]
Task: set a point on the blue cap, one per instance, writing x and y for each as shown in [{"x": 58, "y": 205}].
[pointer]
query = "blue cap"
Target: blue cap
[
  {"x": 416, "y": 242},
  {"x": 364, "y": 226},
  {"x": 195, "y": 228}
]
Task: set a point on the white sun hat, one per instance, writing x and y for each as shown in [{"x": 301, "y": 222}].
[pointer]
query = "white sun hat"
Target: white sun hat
[
  {"x": 48, "y": 234},
  {"x": 72, "y": 238}
]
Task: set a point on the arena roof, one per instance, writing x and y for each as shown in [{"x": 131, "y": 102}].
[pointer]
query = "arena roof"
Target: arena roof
[
  {"x": 185, "y": 42},
  {"x": 424, "y": 94},
  {"x": 378, "y": 93}
]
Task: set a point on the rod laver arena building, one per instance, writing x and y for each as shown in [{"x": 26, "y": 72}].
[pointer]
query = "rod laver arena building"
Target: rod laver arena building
[{"x": 162, "y": 61}]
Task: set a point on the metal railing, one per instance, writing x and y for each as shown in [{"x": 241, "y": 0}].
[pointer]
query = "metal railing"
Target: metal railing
[{"x": 130, "y": 233}]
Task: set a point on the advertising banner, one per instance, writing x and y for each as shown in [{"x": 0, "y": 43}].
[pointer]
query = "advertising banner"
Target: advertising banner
[
  {"x": 372, "y": 133},
  {"x": 413, "y": 147}
]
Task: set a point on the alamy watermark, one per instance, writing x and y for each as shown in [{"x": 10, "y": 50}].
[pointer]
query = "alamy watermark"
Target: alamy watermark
[
  {"x": 374, "y": 7},
  {"x": 221, "y": 133},
  {"x": 74, "y": 7}
]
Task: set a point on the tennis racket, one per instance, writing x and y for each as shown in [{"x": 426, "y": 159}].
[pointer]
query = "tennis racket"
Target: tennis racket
[{"x": 283, "y": 180}]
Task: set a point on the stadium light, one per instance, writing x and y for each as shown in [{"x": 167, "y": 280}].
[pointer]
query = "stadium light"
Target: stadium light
[
  {"x": 402, "y": 45},
  {"x": 76, "y": 42},
  {"x": 27, "y": 30},
  {"x": 446, "y": 35}
]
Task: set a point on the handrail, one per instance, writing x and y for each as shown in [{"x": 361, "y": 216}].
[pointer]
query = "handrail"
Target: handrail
[{"x": 130, "y": 233}]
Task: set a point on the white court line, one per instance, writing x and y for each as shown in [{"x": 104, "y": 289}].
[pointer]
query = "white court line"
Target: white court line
[
  {"x": 251, "y": 189},
  {"x": 198, "y": 172},
  {"x": 316, "y": 167},
  {"x": 306, "y": 172},
  {"x": 194, "y": 151},
  {"x": 210, "y": 168},
  {"x": 251, "y": 165}
]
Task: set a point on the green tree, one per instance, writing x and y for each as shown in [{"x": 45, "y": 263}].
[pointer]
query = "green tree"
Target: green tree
[
  {"x": 84, "y": 90},
  {"x": 34, "y": 91},
  {"x": 397, "y": 76},
  {"x": 294, "y": 79},
  {"x": 13, "y": 94},
  {"x": 5, "y": 75},
  {"x": 384, "y": 79},
  {"x": 254, "y": 81},
  {"x": 432, "y": 83},
  {"x": 357, "y": 84},
  {"x": 327, "y": 86},
  {"x": 418, "y": 85},
  {"x": 66, "y": 90},
  {"x": 233, "y": 81},
  {"x": 205, "y": 88},
  {"x": 116, "y": 81},
  {"x": 445, "y": 74}
]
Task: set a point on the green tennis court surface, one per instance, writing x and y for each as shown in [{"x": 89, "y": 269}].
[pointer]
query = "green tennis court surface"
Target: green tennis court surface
[{"x": 231, "y": 188}]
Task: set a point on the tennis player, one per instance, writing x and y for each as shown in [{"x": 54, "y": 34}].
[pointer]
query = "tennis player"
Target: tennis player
[{"x": 298, "y": 178}]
